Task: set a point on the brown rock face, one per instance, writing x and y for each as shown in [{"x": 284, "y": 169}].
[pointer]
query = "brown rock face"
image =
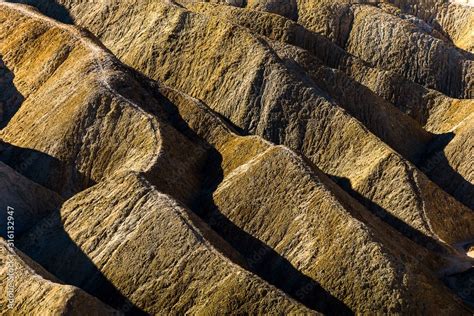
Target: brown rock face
[
  {"x": 281, "y": 7},
  {"x": 236, "y": 157}
]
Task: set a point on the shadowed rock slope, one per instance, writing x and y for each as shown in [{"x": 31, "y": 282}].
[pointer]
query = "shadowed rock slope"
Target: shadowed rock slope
[
  {"x": 156, "y": 253},
  {"x": 438, "y": 113},
  {"x": 37, "y": 292},
  {"x": 266, "y": 96},
  {"x": 429, "y": 107},
  {"x": 296, "y": 208},
  {"x": 186, "y": 245},
  {"x": 32, "y": 201},
  {"x": 155, "y": 198},
  {"x": 377, "y": 34}
]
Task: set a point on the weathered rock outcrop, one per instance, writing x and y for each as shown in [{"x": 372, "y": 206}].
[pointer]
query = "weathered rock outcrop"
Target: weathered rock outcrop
[
  {"x": 265, "y": 97},
  {"x": 437, "y": 112},
  {"x": 31, "y": 201},
  {"x": 37, "y": 292},
  {"x": 290, "y": 216},
  {"x": 452, "y": 165},
  {"x": 170, "y": 196},
  {"x": 123, "y": 236},
  {"x": 141, "y": 151},
  {"x": 448, "y": 17},
  {"x": 377, "y": 37},
  {"x": 102, "y": 130},
  {"x": 376, "y": 31}
]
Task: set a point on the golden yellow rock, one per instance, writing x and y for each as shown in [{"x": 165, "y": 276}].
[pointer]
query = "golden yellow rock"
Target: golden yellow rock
[{"x": 292, "y": 157}]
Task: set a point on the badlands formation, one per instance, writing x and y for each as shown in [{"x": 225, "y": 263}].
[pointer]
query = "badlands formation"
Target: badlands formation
[{"x": 215, "y": 157}]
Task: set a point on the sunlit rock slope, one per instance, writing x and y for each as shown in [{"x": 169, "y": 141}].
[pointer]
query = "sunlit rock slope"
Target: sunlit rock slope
[{"x": 237, "y": 157}]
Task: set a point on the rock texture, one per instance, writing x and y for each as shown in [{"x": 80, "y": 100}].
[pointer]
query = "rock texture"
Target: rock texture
[
  {"x": 155, "y": 253},
  {"x": 129, "y": 138},
  {"x": 238, "y": 157},
  {"x": 291, "y": 215},
  {"x": 266, "y": 97},
  {"x": 32, "y": 202},
  {"x": 452, "y": 18},
  {"x": 37, "y": 292}
]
